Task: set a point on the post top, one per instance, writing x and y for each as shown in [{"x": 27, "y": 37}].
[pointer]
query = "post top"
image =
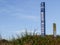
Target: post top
[{"x": 42, "y": 3}]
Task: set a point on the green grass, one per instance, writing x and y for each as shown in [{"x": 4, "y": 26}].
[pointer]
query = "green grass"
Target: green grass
[{"x": 32, "y": 39}]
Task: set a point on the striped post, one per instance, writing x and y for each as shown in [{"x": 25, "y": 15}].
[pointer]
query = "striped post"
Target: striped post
[{"x": 42, "y": 18}]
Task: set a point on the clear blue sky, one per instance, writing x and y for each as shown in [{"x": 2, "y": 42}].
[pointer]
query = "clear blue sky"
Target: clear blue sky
[{"x": 17, "y": 15}]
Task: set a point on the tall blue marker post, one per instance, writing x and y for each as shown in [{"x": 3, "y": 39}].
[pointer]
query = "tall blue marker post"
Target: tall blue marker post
[{"x": 42, "y": 18}]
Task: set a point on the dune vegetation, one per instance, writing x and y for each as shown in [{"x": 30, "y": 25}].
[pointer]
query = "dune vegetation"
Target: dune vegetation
[{"x": 32, "y": 39}]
